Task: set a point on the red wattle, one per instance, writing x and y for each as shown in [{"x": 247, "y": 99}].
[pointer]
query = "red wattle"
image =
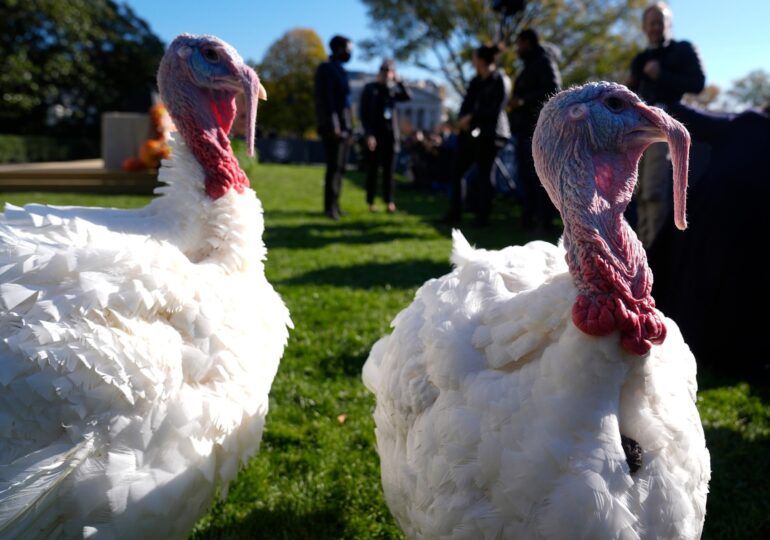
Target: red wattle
[
  {"x": 215, "y": 155},
  {"x": 613, "y": 281},
  {"x": 640, "y": 326},
  {"x": 211, "y": 148}
]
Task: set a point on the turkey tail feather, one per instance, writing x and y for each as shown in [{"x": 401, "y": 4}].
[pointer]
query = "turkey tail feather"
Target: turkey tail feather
[{"x": 462, "y": 251}]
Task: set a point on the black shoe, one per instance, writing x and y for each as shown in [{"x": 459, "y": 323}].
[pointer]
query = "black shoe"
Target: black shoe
[{"x": 332, "y": 214}]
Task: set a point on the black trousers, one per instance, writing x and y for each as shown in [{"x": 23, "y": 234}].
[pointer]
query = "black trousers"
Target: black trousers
[
  {"x": 482, "y": 151},
  {"x": 536, "y": 206},
  {"x": 381, "y": 157},
  {"x": 336, "y": 150}
]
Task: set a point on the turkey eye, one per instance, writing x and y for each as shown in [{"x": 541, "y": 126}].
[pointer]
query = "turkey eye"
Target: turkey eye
[
  {"x": 614, "y": 104},
  {"x": 210, "y": 55}
]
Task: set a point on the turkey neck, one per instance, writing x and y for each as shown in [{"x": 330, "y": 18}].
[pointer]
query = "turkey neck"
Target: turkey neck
[
  {"x": 204, "y": 118},
  {"x": 605, "y": 258}
]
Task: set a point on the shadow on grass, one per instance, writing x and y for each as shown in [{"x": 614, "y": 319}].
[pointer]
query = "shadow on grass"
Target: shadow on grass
[
  {"x": 280, "y": 524},
  {"x": 319, "y": 235},
  {"x": 400, "y": 275},
  {"x": 505, "y": 222},
  {"x": 344, "y": 365},
  {"x": 316, "y": 231},
  {"x": 739, "y": 495},
  {"x": 292, "y": 214}
]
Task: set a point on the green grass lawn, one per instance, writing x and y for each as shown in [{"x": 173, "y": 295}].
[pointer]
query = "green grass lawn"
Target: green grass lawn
[{"x": 317, "y": 474}]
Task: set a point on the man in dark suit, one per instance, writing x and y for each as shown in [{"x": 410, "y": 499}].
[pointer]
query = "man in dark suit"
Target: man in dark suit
[
  {"x": 334, "y": 120},
  {"x": 661, "y": 74},
  {"x": 700, "y": 273},
  {"x": 380, "y": 122}
]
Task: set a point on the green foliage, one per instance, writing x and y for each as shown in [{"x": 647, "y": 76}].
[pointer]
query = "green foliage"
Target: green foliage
[
  {"x": 248, "y": 164},
  {"x": 752, "y": 90},
  {"x": 23, "y": 149},
  {"x": 317, "y": 477},
  {"x": 76, "y": 58},
  {"x": 287, "y": 72},
  {"x": 597, "y": 38}
]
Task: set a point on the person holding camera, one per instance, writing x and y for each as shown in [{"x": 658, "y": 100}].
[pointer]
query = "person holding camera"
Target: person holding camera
[
  {"x": 382, "y": 138},
  {"x": 334, "y": 120},
  {"x": 484, "y": 129}
]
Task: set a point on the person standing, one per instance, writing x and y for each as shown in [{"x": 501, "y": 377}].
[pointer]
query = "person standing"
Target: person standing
[
  {"x": 661, "y": 74},
  {"x": 382, "y": 138},
  {"x": 484, "y": 129},
  {"x": 538, "y": 80},
  {"x": 334, "y": 120},
  {"x": 727, "y": 211}
]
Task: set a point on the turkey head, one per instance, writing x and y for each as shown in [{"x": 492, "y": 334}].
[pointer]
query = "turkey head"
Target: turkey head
[
  {"x": 199, "y": 78},
  {"x": 586, "y": 148}
]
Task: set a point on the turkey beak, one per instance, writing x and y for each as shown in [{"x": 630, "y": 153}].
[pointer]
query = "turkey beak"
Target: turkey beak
[
  {"x": 254, "y": 91},
  {"x": 678, "y": 140}
]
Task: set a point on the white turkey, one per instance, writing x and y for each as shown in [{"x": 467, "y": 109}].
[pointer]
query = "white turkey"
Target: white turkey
[
  {"x": 525, "y": 396},
  {"x": 138, "y": 347}
]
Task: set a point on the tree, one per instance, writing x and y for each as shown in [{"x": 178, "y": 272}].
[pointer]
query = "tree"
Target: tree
[
  {"x": 598, "y": 38},
  {"x": 64, "y": 62},
  {"x": 707, "y": 99},
  {"x": 287, "y": 72},
  {"x": 752, "y": 90}
]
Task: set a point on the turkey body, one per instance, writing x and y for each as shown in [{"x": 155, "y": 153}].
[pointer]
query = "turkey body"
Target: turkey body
[
  {"x": 497, "y": 418},
  {"x": 137, "y": 350}
]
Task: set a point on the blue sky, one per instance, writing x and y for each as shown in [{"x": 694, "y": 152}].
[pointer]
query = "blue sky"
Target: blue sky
[{"x": 733, "y": 36}]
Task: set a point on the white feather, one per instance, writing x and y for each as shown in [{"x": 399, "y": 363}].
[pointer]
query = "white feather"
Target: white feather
[
  {"x": 153, "y": 335},
  {"x": 497, "y": 418}
]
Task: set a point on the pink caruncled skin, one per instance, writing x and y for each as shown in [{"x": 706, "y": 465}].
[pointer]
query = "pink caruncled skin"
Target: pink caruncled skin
[
  {"x": 211, "y": 147},
  {"x": 587, "y": 153},
  {"x": 202, "y": 105}
]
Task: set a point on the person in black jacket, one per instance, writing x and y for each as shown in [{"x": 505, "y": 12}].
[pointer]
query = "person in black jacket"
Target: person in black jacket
[
  {"x": 538, "y": 80},
  {"x": 484, "y": 129},
  {"x": 334, "y": 120},
  {"x": 380, "y": 121},
  {"x": 661, "y": 74},
  {"x": 708, "y": 278}
]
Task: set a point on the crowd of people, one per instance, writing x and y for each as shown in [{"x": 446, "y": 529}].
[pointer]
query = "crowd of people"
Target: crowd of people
[
  {"x": 735, "y": 162},
  {"x": 493, "y": 112},
  {"x": 491, "y": 106}
]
